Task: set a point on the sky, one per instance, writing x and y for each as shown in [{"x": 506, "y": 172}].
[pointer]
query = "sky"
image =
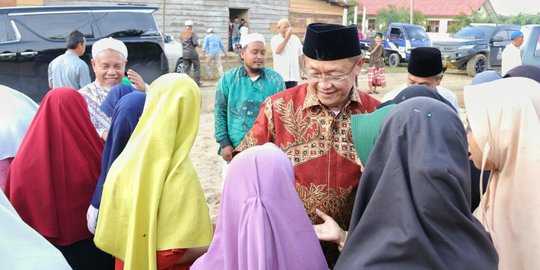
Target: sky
[{"x": 513, "y": 7}]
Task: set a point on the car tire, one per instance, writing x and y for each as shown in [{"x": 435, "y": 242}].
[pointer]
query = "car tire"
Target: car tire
[
  {"x": 393, "y": 60},
  {"x": 179, "y": 67},
  {"x": 476, "y": 64}
]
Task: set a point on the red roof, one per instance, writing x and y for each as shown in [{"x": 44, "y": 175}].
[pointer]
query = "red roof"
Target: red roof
[{"x": 430, "y": 8}]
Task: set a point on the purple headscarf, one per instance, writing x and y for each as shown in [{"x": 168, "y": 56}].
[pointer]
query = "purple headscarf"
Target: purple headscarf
[{"x": 262, "y": 223}]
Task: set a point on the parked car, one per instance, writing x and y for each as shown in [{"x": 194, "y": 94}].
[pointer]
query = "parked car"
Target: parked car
[
  {"x": 174, "y": 53},
  {"x": 399, "y": 40},
  {"x": 530, "y": 49},
  {"x": 476, "y": 48},
  {"x": 31, "y": 37}
]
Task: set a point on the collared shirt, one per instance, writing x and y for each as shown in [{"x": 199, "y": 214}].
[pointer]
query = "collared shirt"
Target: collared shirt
[
  {"x": 68, "y": 70},
  {"x": 313, "y": 136},
  {"x": 511, "y": 58},
  {"x": 238, "y": 99},
  {"x": 286, "y": 63},
  {"x": 320, "y": 147},
  {"x": 189, "y": 47},
  {"x": 95, "y": 94},
  {"x": 213, "y": 44},
  {"x": 444, "y": 92}
]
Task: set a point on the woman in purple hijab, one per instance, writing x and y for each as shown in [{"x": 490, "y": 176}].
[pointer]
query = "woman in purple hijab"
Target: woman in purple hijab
[{"x": 262, "y": 223}]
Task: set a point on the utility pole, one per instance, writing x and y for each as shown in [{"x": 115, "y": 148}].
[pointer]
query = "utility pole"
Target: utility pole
[{"x": 411, "y": 12}]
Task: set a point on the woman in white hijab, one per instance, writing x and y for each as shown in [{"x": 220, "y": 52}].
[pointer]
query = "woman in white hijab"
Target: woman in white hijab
[
  {"x": 504, "y": 119},
  {"x": 16, "y": 112},
  {"x": 23, "y": 248}
]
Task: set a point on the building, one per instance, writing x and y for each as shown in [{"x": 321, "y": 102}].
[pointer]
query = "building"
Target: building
[{"x": 440, "y": 13}]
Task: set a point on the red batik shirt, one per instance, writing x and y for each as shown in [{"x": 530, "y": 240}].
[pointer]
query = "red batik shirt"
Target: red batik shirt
[{"x": 319, "y": 145}]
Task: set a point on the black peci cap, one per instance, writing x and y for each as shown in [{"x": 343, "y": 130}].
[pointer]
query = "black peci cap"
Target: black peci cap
[{"x": 328, "y": 42}]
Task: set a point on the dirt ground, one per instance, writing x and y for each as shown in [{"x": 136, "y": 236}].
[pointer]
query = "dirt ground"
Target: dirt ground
[{"x": 204, "y": 152}]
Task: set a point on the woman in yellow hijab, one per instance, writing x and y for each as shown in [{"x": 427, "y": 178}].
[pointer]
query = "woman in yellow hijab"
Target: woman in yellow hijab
[{"x": 153, "y": 212}]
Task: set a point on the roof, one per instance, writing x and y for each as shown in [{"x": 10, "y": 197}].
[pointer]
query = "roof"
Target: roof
[
  {"x": 430, "y": 8},
  {"x": 52, "y": 9}
]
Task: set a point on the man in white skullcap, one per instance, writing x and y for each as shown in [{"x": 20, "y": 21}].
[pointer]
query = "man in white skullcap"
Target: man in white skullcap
[
  {"x": 109, "y": 59},
  {"x": 239, "y": 94},
  {"x": 287, "y": 53}
]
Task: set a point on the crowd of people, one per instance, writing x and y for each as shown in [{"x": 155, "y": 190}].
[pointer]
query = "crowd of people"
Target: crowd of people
[{"x": 319, "y": 175}]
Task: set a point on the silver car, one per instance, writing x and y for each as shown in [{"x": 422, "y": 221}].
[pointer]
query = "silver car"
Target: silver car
[{"x": 174, "y": 54}]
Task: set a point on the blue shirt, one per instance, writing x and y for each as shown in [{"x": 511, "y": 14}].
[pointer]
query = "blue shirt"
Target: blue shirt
[
  {"x": 68, "y": 70},
  {"x": 238, "y": 100},
  {"x": 213, "y": 44}
]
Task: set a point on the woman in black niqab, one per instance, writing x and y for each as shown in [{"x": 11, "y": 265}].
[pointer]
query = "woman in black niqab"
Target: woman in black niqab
[{"x": 412, "y": 208}]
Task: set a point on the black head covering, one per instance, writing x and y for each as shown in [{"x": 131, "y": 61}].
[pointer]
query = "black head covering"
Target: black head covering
[
  {"x": 425, "y": 62},
  {"x": 526, "y": 71},
  {"x": 420, "y": 91},
  {"x": 378, "y": 34},
  {"x": 328, "y": 42},
  {"x": 412, "y": 206}
]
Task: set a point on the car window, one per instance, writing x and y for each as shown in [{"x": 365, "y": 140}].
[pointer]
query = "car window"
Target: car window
[
  {"x": 537, "y": 49},
  {"x": 478, "y": 32},
  {"x": 396, "y": 33},
  {"x": 416, "y": 33},
  {"x": 126, "y": 24},
  {"x": 5, "y": 30},
  {"x": 501, "y": 36},
  {"x": 56, "y": 26}
]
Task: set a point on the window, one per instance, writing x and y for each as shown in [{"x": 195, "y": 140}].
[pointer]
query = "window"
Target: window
[
  {"x": 396, "y": 33},
  {"x": 501, "y": 36},
  {"x": 537, "y": 49},
  {"x": 126, "y": 24},
  {"x": 4, "y": 28},
  {"x": 433, "y": 26},
  {"x": 56, "y": 26}
]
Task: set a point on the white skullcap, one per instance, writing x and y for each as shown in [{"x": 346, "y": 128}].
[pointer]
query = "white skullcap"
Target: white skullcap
[
  {"x": 109, "y": 43},
  {"x": 210, "y": 30},
  {"x": 188, "y": 23},
  {"x": 252, "y": 37}
]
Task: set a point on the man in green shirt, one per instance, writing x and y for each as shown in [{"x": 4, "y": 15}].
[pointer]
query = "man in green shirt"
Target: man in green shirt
[{"x": 240, "y": 92}]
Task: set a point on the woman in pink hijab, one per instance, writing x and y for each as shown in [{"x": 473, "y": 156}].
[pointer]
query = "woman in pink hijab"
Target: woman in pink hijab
[
  {"x": 504, "y": 119},
  {"x": 262, "y": 223}
]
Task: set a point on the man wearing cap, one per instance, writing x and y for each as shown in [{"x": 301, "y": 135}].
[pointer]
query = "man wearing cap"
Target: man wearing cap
[
  {"x": 213, "y": 46},
  {"x": 311, "y": 124},
  {"x": 425, "y": 68},
  {"x": 239, "y": 95},
  {"x": 287, "y": 54},
  {"x": 109, "y": 59},
  {"x": 511, "y": 55},
  {"x": 190, "y": 42}
]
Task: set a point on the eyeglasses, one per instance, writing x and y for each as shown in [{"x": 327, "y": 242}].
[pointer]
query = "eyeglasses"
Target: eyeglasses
[{"x": 339, "y": 79}]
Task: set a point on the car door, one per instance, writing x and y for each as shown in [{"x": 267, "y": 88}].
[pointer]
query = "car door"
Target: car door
[
  {"x": 500, "y": 39},
  {"x": 8, "y": 54},
  {"x": 43, "y": 38}
]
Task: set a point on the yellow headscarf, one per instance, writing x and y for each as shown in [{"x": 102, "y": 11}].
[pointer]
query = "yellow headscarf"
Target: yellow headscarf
[{"x": 152, "y": 198}]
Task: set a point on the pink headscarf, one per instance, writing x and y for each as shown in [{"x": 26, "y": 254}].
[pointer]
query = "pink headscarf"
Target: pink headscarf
[{"x": 262, "y": 224}]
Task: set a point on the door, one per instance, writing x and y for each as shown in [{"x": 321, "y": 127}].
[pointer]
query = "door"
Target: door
[
  {"x": 43, "y": 38},
  {"x": 8, "y": 55},
  {"x": 497, "y": 45}
]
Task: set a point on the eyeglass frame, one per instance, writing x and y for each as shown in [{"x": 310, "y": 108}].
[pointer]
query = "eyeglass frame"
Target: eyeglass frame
[{"x": 335, "y": 79}]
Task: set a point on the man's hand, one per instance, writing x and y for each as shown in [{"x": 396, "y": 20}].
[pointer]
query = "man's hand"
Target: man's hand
[
  {"x": 329, "y": 230},
  {"x": 226, "y": 152},
  {"x": 136, "y": 79},
  {"x": 288, "y": 33},
  {"x": 91, "y": 219}
]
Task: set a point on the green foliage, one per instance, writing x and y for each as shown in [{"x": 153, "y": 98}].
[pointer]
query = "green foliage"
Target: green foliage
[
  {"x": 520, "y": 19},
  {"x": 401, "y": 15}
]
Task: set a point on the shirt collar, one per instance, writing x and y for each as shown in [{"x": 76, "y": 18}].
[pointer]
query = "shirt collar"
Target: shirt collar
[{"x": 311, "y": 99}]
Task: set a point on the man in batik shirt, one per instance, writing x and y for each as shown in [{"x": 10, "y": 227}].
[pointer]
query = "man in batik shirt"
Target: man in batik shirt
[
  {"x": 311, "y": 124},
  {"x": 109, "y": 58}
]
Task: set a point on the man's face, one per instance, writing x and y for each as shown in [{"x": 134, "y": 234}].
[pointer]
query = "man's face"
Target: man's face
[
  {"x": 81, "y": 47},
  {"x": 109, "y": 67},
  {"x": 282, "y": 28},
  {"x": 430, "y": 82},
  {"x": 254, "y": 56},
  {"x": 332, "y": 81},
  {"x": 518, "y": 41}
]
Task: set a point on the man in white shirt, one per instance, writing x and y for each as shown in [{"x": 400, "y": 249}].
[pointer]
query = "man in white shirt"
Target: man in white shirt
[
  {"x": 511, "y": 55},
  {"x": 287, "y": 54},
  {"x": 425, "y": 68}
]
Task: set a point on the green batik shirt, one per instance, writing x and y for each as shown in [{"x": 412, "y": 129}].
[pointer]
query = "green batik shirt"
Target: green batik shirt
[{"x": 238, "y": 100}]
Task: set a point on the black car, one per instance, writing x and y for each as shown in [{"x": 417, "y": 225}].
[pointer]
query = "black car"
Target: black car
[
  {"x": 476, "y": 47},
  {"x": 31, "y": 37}
]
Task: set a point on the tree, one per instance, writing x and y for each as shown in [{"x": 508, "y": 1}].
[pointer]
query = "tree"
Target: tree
[{"x": 401, "y": 14}]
